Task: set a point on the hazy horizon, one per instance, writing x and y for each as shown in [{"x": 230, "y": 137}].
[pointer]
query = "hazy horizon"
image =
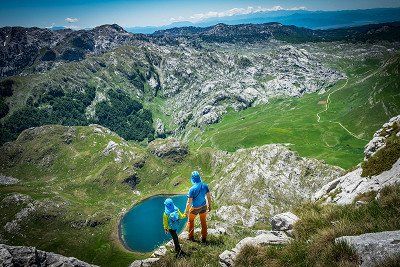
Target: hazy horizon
[{"x": 77, "y": 15}]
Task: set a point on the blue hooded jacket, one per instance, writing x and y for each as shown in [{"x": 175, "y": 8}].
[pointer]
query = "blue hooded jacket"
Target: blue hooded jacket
[
  {"x": 198, "y": 191},
  {"x": 172, "y": 215}
]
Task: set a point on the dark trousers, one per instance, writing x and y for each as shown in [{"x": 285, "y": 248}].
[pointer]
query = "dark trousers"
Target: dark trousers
[{"x": 176, "y": 241}]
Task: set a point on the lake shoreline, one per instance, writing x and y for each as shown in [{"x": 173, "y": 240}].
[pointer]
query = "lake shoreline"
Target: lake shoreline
[{"x": 120, "y": 234}]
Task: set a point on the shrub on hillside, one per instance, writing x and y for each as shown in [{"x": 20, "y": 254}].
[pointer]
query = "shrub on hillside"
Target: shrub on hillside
[
  {"x": 125, "y": 116},
  {"x": 120, "y": 113}
]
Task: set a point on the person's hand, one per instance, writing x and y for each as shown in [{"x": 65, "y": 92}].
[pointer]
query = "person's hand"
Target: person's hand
[{"x": 166, "y": 231}]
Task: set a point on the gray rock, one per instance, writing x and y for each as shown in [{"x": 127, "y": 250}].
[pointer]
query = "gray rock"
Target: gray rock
[
  {"x": 373, "y": 248},
  {"x": 283, "y": 221},
  {"x": 7, "y": 180},
  {"x": 159, "y": 252},
  {"x": 144, "y": 263},
  {"x": 345, "y": 189},
  {"x": 227, "y": 258},
  {"x": 11, "y": 256},
  {"x": 111, "y": 146},
  {"x": 160, "y": 128},
  {"x": 169, "y": 148},
  {"x": 380, "y": 136},
  {"x": 15, "y": 198}
]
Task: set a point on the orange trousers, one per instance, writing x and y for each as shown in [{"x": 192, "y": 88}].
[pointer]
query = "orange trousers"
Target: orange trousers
[{"x": 203, "y": 217}]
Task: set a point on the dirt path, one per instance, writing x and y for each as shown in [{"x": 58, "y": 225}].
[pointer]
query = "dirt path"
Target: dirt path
[
  {"x": 327, "y": 107},
  {"x": 327, "y": 100}
]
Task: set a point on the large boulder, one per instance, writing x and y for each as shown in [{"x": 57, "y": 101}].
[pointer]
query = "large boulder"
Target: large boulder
[
  {"x": 11, "y": 256},
  {"x": 228, "y": 257},
  {"x": 374, "y": 248},
  {"x": 169, "y": 148},
  {"x": 283, "y": 221}
]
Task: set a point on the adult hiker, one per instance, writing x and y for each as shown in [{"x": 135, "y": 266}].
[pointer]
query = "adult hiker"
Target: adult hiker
[
  {"x": 199, "y": 202},
  {"x": 171, "y": 217}
]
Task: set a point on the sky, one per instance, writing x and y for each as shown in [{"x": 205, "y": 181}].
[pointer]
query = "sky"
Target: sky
[{"x": 91, "y": 13}]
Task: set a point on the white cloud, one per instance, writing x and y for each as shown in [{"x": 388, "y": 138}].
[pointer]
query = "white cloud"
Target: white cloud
[
  {"x": 233, "y": 12},
  {"x": 71, "y": 20}
]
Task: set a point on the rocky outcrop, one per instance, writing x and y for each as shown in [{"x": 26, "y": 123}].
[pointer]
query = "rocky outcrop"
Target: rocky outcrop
[
  {"x": 144, "y": 263},
  {"x": 160, "y": 128},
  {"x": 15, "y": 199},
  {"x": 169, "y": 148},
  {"x": 379, "y": 139},
  {"x": 283, "y": 221},
  {"x": 227, "y": 258},
  {"x": 374, "y": 248},
  {"x": 7, "y": 180},
  {"x": 254, "y": 184},
  {"x": 11, "y": 256},
  {"x": 32, "y": 207},
  {"x": 345, "y": 189}
]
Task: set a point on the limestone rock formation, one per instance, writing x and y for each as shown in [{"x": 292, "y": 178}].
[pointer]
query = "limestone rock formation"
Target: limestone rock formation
[
  {"x": 7, "y": 180},
  {"x": 257, "y": 183},
  {"x": 11, "y": 256},
  {"x": 160, "y": 128},
  {"x": 374, "y": 248},
  {"x": 169, "y": 148},
  {"x": 345, "y": 189},
  {"x": 379, "y": 139},
  {"x": 144, "y": 263},
  {"x": 283, "y": 221}
]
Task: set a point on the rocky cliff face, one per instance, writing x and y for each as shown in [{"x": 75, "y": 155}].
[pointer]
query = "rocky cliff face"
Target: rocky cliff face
[
  {"x": 39, "y": 49},
  {"x": 11, "y": 256},
  {"x": 254, "y": 184}
]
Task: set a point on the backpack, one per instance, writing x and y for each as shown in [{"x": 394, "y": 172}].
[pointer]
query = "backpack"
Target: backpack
[{"x": 173, "y": 220}]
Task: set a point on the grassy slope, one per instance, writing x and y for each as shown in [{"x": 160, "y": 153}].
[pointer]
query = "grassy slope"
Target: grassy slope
[
  {"x": 314, "y": 234},
  {"x": 92, "y": 186},
  {"x": 370, "y": 96}
]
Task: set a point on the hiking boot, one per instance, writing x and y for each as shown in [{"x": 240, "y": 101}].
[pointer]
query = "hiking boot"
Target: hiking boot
[
  {"x": 204, "y": 241},
  {"x": 191, "y": 239},
  {"x": 180, "y": 254}
]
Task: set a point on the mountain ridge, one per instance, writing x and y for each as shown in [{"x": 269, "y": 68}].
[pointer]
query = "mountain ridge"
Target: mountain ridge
[{"x": 317, "y": 19}]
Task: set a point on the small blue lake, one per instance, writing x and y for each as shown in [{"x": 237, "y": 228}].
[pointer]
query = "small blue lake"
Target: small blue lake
[{"x": 141, "y": 227}]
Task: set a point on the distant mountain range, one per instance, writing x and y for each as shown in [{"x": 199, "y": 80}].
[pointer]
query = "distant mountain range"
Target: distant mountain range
[{"x": 300, "y": 18}]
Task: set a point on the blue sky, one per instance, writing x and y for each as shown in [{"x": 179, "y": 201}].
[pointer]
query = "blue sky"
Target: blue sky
[{"x": 90, "y": 13}]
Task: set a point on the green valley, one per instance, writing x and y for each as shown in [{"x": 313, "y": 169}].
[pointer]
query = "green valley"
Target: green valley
[{"x": 334, "y": 131}]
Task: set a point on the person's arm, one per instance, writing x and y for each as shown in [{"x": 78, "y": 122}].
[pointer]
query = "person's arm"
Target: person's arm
[
  {"x": 188, "y": 204},
  {"x": 181, "y": 215},
  {"x": 209, "y": 201},
  {"x": 165, "y": 222}
]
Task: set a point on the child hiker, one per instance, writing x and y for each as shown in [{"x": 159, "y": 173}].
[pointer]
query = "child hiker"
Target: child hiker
[{"x": 171, "y": 217}]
